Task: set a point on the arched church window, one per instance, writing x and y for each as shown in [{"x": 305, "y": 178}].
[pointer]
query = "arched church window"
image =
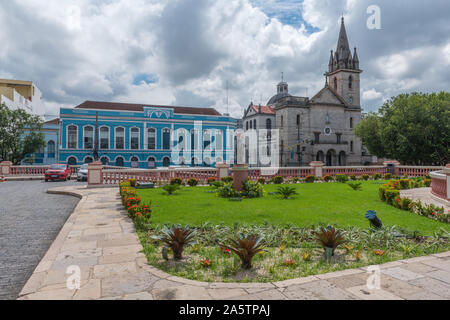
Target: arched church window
[
  {"x": 335, "y": 83},
  {"x": 350, "y": 82}
]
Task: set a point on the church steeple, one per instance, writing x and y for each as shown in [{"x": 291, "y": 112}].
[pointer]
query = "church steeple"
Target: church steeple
[
  {"x": 343, "y": 70},
  {"x": 343, "y": 54}
]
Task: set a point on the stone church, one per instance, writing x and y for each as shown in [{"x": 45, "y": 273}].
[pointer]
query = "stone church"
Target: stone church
[{"x": 318, "y": 128}]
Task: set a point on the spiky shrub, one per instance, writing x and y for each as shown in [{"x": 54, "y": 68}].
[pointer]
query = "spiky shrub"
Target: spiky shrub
[
  {"x": 211, "y": 180},
  {"x": 310, "y": 179},
  {"x": 327, "y": 178},
  {"x": 342, "y": 178},
  {"x": 170, "y": 188},
  {"x": 192, "y": 182},
  {"x": 365, "y": 177},
  {"x": 286, "y": 191},
  {"x": 388, "y": 176},
  {"x": 227, "y": 179},
  {"x": 355, "y": 185},
  {"x": 246, "y": 247},
  {"x": 177, "y": 181},
  {"x": 278, "y": 180},
  {"x": 353, "y": 177},
  {"x": 262, "y": 180},
  {"x": 176, "y": 238},
  {"x": 329, "y": 238}
]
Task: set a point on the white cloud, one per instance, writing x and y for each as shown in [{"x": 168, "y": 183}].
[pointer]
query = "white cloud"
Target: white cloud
[
  {"x": 371, "y": 94},
  {"x": 79, "y": 49}
]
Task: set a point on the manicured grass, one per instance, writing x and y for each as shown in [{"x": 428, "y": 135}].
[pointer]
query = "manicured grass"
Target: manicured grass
[{"x": 316, "y": 203}]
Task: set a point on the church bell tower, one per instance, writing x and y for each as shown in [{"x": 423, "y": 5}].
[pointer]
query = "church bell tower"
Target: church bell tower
[{"x": 343, "y": 71}]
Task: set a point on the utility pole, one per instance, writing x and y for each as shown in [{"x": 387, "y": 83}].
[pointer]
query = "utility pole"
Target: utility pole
[{"x": 95, "y": 153}]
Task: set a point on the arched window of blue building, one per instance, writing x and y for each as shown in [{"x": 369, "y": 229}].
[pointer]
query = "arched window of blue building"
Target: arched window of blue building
[
  {"x": 104, "y": 160},
  {"x": 206, "y": 140},
  {"x": 104, "y": 138},
  {"x": 151, "y": 137},
  {"x": 119, "y": 162},
  {"x": 134, "y": 138},
  {"x": 72, "y": 161},
  {"x": 166, "y": 162},
  {"x": 120, "y": 138},
  {"x": 166, "y": 140},
  {"x": 72, "y": 137},
  {"x": 88, "y": 137},
  {"x": 219, "y": 140},
  {"x": 134, "y": 162},
  {"x": 51, "y": 149},
  {"x": 151, "y": 163}
]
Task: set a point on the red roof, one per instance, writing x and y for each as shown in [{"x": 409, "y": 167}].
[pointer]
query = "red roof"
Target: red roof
[
  {"x": 140, "y": 108},
  {"x": 264, "y": 109},
  {"x": 54, "y": 121}
]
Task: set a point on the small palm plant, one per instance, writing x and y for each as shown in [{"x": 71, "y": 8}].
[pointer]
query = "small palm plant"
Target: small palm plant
[
  {"x": 330, "y": 239},
  {"x": 246, "y": 247},
  {"x": 176, "y": 238},
  {"x": 286, "y": 191},
  {"x": 355, "y": 185},
  {"x": 171, "y": 188}
]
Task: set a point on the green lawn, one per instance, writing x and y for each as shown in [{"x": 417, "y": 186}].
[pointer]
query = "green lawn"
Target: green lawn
[{"x": 317, "y": 203}]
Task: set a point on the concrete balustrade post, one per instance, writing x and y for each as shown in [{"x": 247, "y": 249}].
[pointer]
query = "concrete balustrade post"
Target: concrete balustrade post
[
  {"x": 240, "y": 174},
  {"x": 5, "y": 168},
  {"x": 447, "y": 173},
  {"x": 391, "y": 166},
  {"x": 95, "y": 173},
  {"x": 222, "y": 170},
  {"x": 318, "y": 168}
]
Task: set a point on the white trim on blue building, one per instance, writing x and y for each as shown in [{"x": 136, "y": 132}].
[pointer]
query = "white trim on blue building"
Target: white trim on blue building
[{"x": 166, "y": 121}]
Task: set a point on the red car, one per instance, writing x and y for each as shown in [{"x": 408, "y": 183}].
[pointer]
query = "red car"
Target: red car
[{"x": 57, "y": 172}]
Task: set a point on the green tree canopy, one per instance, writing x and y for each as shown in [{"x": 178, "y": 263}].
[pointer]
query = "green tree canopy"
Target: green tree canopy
[
  {"x": 411, "y": 128},
  {"x": 19, "y": 134}
]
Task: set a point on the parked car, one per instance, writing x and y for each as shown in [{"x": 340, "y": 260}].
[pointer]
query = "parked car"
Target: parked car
[
  {"x": 58, "y": 172},
  {"x": 82, "y": 174}
]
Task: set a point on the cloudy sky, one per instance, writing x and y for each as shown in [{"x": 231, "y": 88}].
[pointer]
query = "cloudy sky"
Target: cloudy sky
[{"x": 183, "y": 52}]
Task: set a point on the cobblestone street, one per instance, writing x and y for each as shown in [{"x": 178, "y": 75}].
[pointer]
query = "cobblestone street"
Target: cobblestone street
[{"x": 30, "y": 220}]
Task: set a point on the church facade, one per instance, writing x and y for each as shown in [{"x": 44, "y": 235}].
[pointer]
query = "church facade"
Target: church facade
[{"x": 321, "y": 128}]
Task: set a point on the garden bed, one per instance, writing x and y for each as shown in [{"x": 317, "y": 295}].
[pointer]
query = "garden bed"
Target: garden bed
[{"x": 287, "y": 227}]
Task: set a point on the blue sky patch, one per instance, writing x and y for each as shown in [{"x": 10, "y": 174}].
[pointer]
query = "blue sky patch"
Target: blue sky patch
[
  {"x": 146, "y": 77},
  {"x": 288, "y": 12}
]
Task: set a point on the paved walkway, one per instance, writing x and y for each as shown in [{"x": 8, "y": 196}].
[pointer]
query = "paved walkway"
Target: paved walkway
[
  {"x": 101, "y": 240},
  {"x": 424, "y": 195},
  {"x": 30, "y": 220}
]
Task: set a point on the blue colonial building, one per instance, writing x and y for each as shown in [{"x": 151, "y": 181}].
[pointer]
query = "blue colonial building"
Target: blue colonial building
[
  {"x": 145, "y": 136},
  {"x": 48, "y": 154}
]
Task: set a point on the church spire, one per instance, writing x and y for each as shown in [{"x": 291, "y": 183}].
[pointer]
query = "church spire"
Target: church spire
[
  {"x": 331, "y": 63},
  {"x": 355, "y": 60},
  {"x": 343, "y": 53}
]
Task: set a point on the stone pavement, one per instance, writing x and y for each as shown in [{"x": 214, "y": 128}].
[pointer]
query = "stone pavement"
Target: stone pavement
[
  {"x": 424, "y": 195},
  {"x": 101, "y": 240},
  {"x": 30, "y": 220}
]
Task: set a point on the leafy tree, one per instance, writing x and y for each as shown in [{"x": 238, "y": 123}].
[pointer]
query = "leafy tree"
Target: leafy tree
[
  {"x": 411, "y": 128},
  {"x": 19, "y": 134}
]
